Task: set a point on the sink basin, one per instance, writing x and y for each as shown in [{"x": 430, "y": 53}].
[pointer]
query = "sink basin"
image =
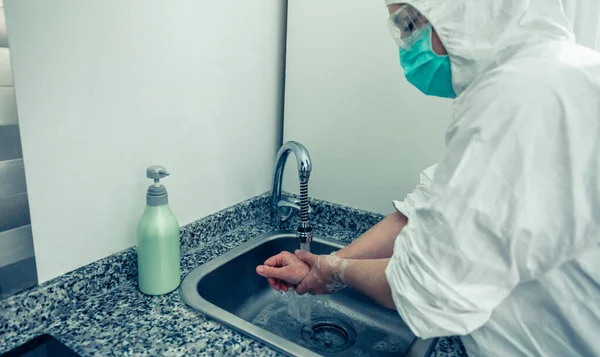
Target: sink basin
[{"x": 346, "y": 323}]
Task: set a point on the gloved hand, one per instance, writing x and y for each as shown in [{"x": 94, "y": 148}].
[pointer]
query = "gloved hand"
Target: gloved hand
[
  {"x": 326, "y": 274},
  {"x": 283, "y": 271}
]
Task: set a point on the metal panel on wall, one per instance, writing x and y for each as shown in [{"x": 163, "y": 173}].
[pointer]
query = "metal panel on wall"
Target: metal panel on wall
[
  {"x": 12, "y": 178},
  {"x": 15, "y": 244},
  {"x": 14, "y": 212},
  {"x": 8, "y": 106},
  {"x": 17, "y": 260},
  {"x": 10, "y": 143},
  {"x": 17, "y": 277}
]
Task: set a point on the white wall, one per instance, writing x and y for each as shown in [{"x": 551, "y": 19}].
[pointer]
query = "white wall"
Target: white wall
[
  {"x": 106, "y": 88},
  {"x": 369, "y": 132}
]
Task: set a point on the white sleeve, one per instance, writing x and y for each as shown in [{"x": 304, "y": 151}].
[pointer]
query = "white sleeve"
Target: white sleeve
[
  {"x": 419, "y": 194},
  {"x": 512, "y": 198}
]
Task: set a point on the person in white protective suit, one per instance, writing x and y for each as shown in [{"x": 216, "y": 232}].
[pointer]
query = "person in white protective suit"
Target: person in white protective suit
[{"x": 500, "y": 243}]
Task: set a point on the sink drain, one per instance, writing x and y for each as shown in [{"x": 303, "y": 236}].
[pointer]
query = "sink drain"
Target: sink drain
[{"x": 329, "y": 335}]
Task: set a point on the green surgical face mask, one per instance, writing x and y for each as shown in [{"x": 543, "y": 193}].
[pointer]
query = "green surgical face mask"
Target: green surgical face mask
[{"x": 426, "y": 70}]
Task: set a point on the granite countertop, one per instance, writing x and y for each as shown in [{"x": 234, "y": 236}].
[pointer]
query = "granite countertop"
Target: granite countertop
[{"x": 97, "y": 310}]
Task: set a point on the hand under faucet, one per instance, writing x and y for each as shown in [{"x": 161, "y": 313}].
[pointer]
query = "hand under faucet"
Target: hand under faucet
[{"x": 283, "y": 271}]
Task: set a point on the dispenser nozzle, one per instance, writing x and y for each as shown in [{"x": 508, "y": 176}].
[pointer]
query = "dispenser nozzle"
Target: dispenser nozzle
[{"x": 156, "y": 172}]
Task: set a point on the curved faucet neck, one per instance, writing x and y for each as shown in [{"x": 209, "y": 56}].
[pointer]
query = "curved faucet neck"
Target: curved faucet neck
[{"x": 304, "y": 169}]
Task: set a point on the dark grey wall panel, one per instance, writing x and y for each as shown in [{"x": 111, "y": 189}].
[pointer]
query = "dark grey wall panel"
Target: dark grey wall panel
[
  {"x": 12, "y": 178},
  {"x": 6, "y": 79},
  {"x": 8, "y": 106},
  {"x": 10, "y": 143},
  {"x": 3, "y": 33},
  {"x": 16, "y": 244},
  {"x": 18, "y": 276},
  {"x": 17, "y": 261},
  {"x": 14, "y": 212}
]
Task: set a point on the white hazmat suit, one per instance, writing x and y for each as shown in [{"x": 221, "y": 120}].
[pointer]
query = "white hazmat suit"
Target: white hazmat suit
[{"x": 503, "y": 240}]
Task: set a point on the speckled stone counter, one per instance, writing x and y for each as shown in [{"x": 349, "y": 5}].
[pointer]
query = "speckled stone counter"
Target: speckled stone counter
[{"x": 97, "y": 310}]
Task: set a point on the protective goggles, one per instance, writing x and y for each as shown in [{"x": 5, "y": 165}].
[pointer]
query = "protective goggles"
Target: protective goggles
[{"x": 406, "y": 26}]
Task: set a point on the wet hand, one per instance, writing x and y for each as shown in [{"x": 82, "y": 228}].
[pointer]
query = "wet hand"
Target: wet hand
[
  {"x": 326, "y": 274},
  {"x": 283, "y": 271}
]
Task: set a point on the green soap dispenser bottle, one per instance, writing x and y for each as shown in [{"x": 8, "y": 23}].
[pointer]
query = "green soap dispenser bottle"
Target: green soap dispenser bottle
[{"x": 158, "y": 240}]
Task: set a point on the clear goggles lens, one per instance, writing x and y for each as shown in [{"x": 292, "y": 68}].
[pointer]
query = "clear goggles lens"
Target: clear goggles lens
[{"x": 406, "y": 26}]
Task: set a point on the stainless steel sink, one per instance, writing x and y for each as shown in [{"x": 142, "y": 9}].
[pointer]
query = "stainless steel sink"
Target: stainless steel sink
[{"x": 346, "y": 323}]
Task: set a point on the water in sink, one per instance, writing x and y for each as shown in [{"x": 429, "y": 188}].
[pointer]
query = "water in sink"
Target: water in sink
[
  {"x": 288, "y": 315},
  {"x": 299, "y": 307},
  {"x": 318, "y": 323},
  {"x": 346, "y": 323},
  {"x": 290, "y": 309}
]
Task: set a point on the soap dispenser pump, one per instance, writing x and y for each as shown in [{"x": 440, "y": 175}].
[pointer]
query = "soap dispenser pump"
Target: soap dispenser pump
[{"x": 158, "y": 240}]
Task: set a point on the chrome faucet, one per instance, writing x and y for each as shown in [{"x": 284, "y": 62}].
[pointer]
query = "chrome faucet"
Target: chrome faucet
[{"x": 281, "y": 209}]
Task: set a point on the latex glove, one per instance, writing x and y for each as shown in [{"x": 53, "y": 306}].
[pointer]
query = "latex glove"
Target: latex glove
[
  {"x": 326, "y": 274},
  {"x": 283, "y": 271}
]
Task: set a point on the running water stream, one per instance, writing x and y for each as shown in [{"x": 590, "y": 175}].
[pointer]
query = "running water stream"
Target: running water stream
[
  {"x": 305, "y": 247},
  {"x": 299, "y": 307}
]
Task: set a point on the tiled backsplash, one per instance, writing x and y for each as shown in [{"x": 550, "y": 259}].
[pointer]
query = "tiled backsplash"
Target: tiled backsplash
[{"x": 17, "y": 260}]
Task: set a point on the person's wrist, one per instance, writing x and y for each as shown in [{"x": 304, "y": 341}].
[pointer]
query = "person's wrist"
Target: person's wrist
[
  {"x": 338, "y": 268},
  {"x": 339, "y": 254},
  {"x": 342, "y": 270}
]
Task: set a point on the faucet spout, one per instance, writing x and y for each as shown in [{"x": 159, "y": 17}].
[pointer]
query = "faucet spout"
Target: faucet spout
[{"x": 282, "y": 209}]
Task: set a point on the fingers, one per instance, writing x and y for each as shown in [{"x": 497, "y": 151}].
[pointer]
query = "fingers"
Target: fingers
[
  {"x": 307, "y": 288},
  {"x": 274, "y": 283},
  {"x": 269, "y": 272},
  {"x": 283, "y": 276},
  {"x": 282, "y": 285},
  {"x": 307, "y": 257},
  {"x": 277, "y": 260},
  {"x": 279, "y": 285},
  {"x": 279, "y": 273},
  {"x": 302, "y": 288}
]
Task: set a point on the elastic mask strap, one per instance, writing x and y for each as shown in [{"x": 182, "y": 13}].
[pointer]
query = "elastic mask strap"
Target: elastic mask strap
[{"x": 431, "y": 43}]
